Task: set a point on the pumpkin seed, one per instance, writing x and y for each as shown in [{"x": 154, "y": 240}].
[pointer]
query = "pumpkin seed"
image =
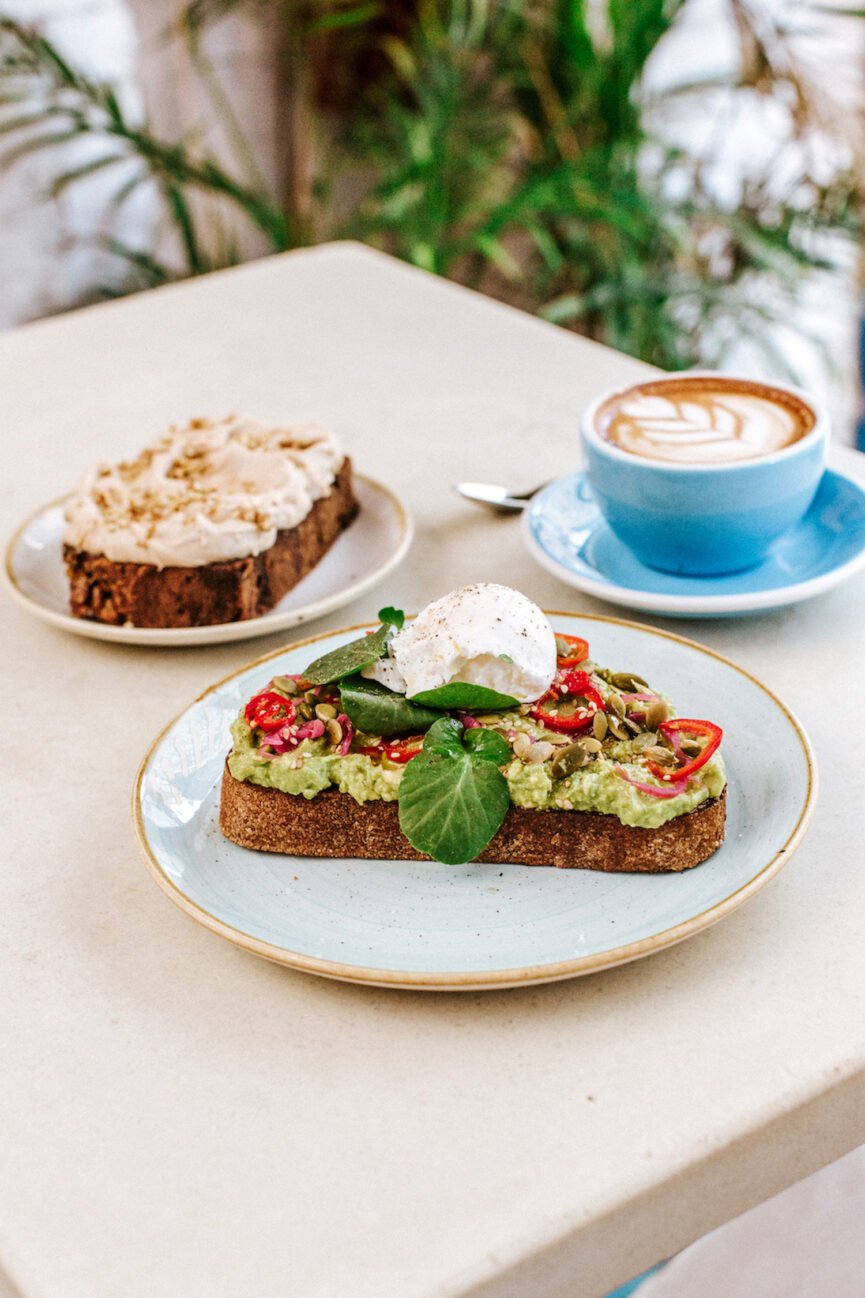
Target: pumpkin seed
[
  {"x": 599, "y": 725},
  {"x": 617, "y": 703},
  {"x": 634, "y": 726},
  {"x": 325, "y": 711},
  {"x": 558, "y": 740},
  {"x": 539, "y": 752},
  {"x": 656, "y": 712},
  {"x": 286, "y": 685},
  {"x": 522, "y": 744},
  {"x": 645, "y": 741},
  {"x": 591, "y": 744},
  {"x": 568, "y": 760},
  {"x": 691, "y": 747},
  {"x": 628, "y": 682},
  {"x": 617, "y": 728},
  {"x": 662, "y": 756},
  {"x": 334, "y": 731},
  {"x": 304, "y": 711}
]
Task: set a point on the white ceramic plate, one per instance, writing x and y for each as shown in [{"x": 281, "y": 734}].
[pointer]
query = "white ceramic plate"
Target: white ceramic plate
[
  {"x": 362, "y": 557},
  {"x": 432, "y": 926}
]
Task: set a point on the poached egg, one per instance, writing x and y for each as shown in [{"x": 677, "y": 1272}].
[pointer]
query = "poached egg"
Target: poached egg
[{"x": 483, "y": 634}]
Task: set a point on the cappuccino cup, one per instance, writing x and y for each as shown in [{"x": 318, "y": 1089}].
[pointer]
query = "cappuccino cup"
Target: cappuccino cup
[{"x": 700, "y": 473}]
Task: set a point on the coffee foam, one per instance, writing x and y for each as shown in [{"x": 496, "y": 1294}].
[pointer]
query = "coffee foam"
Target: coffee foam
[{"x": 703, "y": 420}]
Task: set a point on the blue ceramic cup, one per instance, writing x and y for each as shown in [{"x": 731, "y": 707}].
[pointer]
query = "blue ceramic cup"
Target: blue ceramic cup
[{"x": 704, "y": 518}]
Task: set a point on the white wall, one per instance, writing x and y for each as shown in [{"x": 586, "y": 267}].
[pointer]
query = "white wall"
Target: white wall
[{"x": 49, "y": 257}]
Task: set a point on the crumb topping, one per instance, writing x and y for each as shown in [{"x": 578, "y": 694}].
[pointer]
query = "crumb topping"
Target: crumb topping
[{"x": 205, "y": 491}]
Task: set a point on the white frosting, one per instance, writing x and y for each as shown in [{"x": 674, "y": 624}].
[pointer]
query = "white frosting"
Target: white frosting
[
  {"x": 213, "y": 490},
  {"x": 484, "y": 634}
]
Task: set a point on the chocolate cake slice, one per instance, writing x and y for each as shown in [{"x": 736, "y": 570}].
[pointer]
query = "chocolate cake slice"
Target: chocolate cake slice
[{"x": 214, "y": 523}]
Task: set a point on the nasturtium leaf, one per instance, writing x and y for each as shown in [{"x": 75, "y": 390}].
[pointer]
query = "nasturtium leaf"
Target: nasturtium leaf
[
  {"x": 376, "y": 710},
  {"x": 445, "y": 737},
  {"x": 487, "y": 744},
  {"x": 391, "y": 617},
  {"x": 466, "y": 697},
  {"x": 351, "y": 657},
  {"x": 453, "y": 797}
]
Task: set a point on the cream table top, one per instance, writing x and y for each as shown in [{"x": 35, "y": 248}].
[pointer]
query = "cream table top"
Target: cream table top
[{"x": 182, "y": 1119}]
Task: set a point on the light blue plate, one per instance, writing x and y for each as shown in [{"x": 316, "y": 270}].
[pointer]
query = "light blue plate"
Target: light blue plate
[
  {"x": 426, "y": 925},
  {"x": 565, "y": 532}
]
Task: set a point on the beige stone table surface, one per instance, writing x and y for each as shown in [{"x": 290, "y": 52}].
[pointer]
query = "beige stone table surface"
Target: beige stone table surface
[{"x": 183, "y": 1120}]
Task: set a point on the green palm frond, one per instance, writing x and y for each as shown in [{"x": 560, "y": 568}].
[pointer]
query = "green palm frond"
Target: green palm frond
[
  {"x": 515, "y": 145},
  {"x": 65, "y": 105}
]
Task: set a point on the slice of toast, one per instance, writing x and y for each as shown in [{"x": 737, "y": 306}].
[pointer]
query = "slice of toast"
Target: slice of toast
[{"x": 332, "y": 824}]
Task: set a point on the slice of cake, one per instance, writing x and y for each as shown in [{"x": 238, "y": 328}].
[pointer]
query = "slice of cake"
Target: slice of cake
[{"x": 214, "y": 522}]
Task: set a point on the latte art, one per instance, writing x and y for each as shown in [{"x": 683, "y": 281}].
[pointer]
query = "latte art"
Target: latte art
[{"x": 698, "y": 421}]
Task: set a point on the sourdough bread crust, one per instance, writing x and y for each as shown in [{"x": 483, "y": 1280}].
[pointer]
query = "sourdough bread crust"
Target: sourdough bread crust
[
  {"x": 332, "y": 824},
  {"x": 233, "y": 590}
]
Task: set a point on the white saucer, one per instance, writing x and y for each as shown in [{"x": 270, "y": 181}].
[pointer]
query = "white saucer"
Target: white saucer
[
  {"x": 566, "y": 533},
  {"x": 365, "y": 553}
]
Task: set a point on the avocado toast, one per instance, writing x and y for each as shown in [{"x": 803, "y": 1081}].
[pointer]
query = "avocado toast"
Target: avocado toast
[{"x": 596, "y": 771}]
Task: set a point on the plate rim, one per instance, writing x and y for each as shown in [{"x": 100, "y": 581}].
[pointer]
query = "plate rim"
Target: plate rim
[
  {"x": 484, "y": 980},
  {"x": 217, "y": 632},
  {"x": 650, "y": 602}
]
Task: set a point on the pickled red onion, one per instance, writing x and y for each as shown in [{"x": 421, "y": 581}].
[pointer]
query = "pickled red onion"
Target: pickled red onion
[
  {"x": 289, "y": 737},
  {"x": 347, "y": 734},
  {"x": 310, "y": 730},
  {"x": 667, "y": 791}
]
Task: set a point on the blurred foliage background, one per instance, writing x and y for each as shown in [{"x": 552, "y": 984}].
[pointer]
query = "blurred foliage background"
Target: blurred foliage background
[{"x": 517, "y": 146}]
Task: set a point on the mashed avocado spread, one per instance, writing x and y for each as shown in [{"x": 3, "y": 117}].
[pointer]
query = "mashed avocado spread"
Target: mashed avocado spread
[{"x": 597, "y": 786}]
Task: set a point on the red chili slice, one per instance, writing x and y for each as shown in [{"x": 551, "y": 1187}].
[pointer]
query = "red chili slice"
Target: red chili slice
[
  {"x": 269, "y": 711},
  {"x": 399, "y": 751},
  {"x": 687, "y": 726},
  {"x": 580, "y": 650},
  {"x": 577, "y": 684}
]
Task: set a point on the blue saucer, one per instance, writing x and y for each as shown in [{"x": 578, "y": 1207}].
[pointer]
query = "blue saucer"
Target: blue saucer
[{"x": 565, "y": 531}]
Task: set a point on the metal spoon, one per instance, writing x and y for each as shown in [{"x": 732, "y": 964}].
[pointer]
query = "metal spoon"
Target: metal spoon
[{"x": 502, "y": 500}]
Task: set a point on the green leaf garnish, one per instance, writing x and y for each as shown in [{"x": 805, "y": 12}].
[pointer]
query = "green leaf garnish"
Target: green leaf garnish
[
  {"x": 467, "y": 697},
  {"x": 376, "y": 710},
  {"x": 487, "y": 745},
  {"x": 453, "y": 797},
  {"x": 392, "y": 617},
  {"x": 445, "y": 738},
  {"x": 355, "y": 655}
]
